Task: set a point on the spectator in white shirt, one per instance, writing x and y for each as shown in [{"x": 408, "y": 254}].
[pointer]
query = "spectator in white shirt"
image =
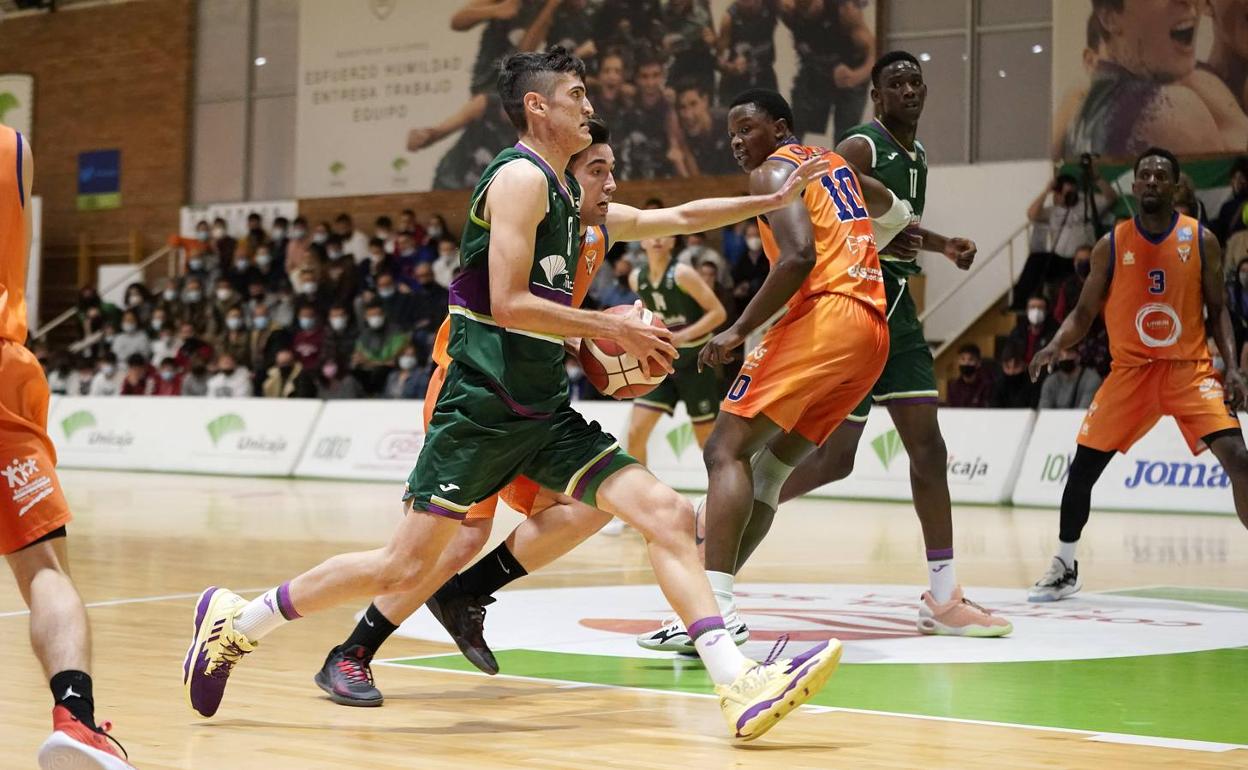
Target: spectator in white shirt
[
  {"x": 108, "y": 378},
  {"x": 131, "y": 339},
  {"x": 231, "y": 380},
  {"x": 354, "y": 242}
]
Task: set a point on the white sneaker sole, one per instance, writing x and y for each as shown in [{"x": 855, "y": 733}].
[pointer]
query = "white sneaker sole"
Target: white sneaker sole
[
  {"x": 60, "y": 752},
  {"x": 1055, "y": 596}
]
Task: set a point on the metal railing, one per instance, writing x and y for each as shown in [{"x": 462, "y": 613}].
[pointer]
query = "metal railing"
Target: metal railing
[
  {"x": 137, "y": 269},
  {"x": 1007, "y": 248}
]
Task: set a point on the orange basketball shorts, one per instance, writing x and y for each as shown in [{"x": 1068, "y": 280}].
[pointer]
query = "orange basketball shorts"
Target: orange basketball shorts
[
  {"x": 1133, "y": 398},
  {"x": 813, "y": 367},
  {"x": 522, "y": 494},
  {"x": 32, "y": 503}
]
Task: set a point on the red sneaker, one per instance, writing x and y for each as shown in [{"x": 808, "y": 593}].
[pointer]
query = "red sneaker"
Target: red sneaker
[{"x": 74, "y": 746}]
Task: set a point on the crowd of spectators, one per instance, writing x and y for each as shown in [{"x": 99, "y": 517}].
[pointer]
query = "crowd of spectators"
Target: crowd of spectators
[{"x": 300, "y": 310}]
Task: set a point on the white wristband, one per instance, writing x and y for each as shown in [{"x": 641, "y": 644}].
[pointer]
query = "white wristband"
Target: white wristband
[{"x": 890, "y": 223}]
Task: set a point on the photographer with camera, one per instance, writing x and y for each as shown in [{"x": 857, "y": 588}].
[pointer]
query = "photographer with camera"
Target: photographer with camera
[{"x": 1074, "y": 218}]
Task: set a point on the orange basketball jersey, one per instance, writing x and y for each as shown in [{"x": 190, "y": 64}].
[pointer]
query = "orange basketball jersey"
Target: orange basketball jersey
[
  {"x": 13, "y": 252},
  {"x": 846, "y": 261},
  {"x": 594, "y": 245},
  {"x": 1156, "y": 308}
]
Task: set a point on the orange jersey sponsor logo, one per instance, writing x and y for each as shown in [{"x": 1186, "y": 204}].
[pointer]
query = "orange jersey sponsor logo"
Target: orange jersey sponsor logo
[
  {"x": 594, "y": 245},
  {"x": 846, "y": 261},
  {"x": 1155, "y": 309}
]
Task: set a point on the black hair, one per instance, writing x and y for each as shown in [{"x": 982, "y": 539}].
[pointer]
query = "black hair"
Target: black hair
[
  {"x": 136, "y": 359},
  {"x": 343, "y": 217},
  {"x": 599, "y": 133},
  {"x": 379, "y": 243},
  {"x": 522, "y": 73},
  {"x": 1063, "y": 179},
  {"x": 1240, "y": 165},
  {"x": 971, "y": 348},
  {"x": 890, "y": 58},
  {"x": 768, "y": 101},
  {"x": 384, "y": 221},
  {"x": 693, "y": 84},
  {"x": 1159, "y": 152},
  {"x": 1095, "y": 32}
]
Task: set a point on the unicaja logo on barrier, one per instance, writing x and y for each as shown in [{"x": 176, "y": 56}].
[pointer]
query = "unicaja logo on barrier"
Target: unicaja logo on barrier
[
  {"x": 680, "y": 438},
  {"x": 887, "y": 446},
  {"x": 76, "y": 422},
  {"x": 223, "y": 426},
  {"x": 8, "y": 101}
]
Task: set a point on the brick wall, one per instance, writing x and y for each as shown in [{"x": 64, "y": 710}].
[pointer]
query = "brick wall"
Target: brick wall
[{"x": 109, "y": 76}]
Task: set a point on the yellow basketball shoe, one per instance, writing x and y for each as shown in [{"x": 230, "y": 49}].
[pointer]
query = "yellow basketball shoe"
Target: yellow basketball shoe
[
  {"x": 765, "y": 693},
  {"x": 215, "y": 648}
]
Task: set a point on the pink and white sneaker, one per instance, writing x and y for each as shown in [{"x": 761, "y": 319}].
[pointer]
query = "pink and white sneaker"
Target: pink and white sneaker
[
  {"x": 74, "y": 746},
  {"x": 959, "y": 617}
]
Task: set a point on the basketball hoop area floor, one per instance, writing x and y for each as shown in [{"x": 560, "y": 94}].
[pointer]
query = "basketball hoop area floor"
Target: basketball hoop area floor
[{"x": 1147, "y": 668}]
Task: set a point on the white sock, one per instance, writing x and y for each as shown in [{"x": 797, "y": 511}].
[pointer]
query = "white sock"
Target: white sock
[
  {"x": 769, "y": 476},
  {"x": 718, "y": 652},
  {"x": 721, "y": 586},
  {"x": 266, "y": 613},
  {"x": 1066, "y": 552},
  {"x": 942, "y": 579}
]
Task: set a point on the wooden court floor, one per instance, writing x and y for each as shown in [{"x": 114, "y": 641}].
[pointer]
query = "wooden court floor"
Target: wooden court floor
[{"x": 1165, "y": 592}]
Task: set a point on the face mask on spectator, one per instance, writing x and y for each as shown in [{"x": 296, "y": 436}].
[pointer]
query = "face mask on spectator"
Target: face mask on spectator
[
  {"x": 260, "y": 322},
  {"x": 376, "y": 321},
  {"x": 407, "y": 363},
  {"x": 223, "y": 295},
  {"x": 335, "y": 254},
  {"x": 298, "y": 232},
  {"x": 157, "y": 323},
  {"x": 233, "y": 323},
  {"x": 166, "y": 374},
  {"x": 308, "y": 287},
  {"x": 279, "y": 233},
  {"x": 338, "y": 323},
  {"x": 240, "y": 265},
  {"x": 753, "y": 244},
  {"x": 134, "y": 299},
  {"x": 218, "y": 232},
  {"x": 170, "y": 295},
  {"x": 195, "y": 264},
  {"x": 128, "y": 326},
  {"x": 385, "y": 292},
  {"x": 968, "y": 369},
  {"x": 320, "y": 238},
  {"x": 192, "y": 295},
  {"x": 382, "y": 234},
  {"x": 108, "y": 370},
  {"x": 263, "y": 259},
  {"x": 306, "y": 322},
  {"x": 1067, "y": 365},
  {"x": 330, "y": 370},
  {"x": 1035, "y": 315},
  {"x": 203, "y": 235},
  {"x": 435, "y": 231}
]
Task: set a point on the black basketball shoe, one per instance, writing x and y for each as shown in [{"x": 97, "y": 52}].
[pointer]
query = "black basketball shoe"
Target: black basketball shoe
[
  {"x": 463, "y": 617},
  {"x": 347, "y": 677}
]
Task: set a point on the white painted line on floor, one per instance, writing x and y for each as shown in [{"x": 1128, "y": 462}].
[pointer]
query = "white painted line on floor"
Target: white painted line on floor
[
  {"x": 137, "y": 600},
  {"x": 812, "y": 709},
  {"x": 1164, "y": 743}
]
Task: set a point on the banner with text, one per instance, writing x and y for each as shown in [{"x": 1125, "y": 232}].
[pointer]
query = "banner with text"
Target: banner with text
[
  {"x": 984, "y": 450},
  {"x": 1158, "y": 474},
  {"x": 251, "y": 437},
  {"x": 399, "y": 95},
  {"x": 365, "y": 440}
]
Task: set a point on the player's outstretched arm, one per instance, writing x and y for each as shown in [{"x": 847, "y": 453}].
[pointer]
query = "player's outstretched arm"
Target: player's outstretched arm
[
  {"x": 513, "y": 227},
  {"x": 1218, "y": 318},
  {"x": 1091, "y": 300},
  {"x": 795, "y": 238},
  {"x": 626, "y": 223}
]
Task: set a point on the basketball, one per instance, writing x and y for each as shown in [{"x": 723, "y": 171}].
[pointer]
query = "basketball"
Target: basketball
[{"x": 612, "y": 371}]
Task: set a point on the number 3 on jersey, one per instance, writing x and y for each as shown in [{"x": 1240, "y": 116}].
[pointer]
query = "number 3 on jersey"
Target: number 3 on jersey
[
  {"x": 844, "y": 192},
  {"x": 1158, "y": 278}
]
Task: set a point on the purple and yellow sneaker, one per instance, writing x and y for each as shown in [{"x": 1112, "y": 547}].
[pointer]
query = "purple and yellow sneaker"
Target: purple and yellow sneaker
[
  {"x": 765, "y": 693},
  {"x": 215, "y": 649}
]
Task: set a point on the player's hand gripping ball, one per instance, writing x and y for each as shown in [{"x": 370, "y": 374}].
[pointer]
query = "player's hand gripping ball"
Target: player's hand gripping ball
[{"x": 612, "y": 371}]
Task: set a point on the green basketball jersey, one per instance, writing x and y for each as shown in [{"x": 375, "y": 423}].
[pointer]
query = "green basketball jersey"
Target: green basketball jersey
[
  {"x": 526, "y": 367},
  {"x": 903, "y": 172},
  {"x": 668, "y": 301}
]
